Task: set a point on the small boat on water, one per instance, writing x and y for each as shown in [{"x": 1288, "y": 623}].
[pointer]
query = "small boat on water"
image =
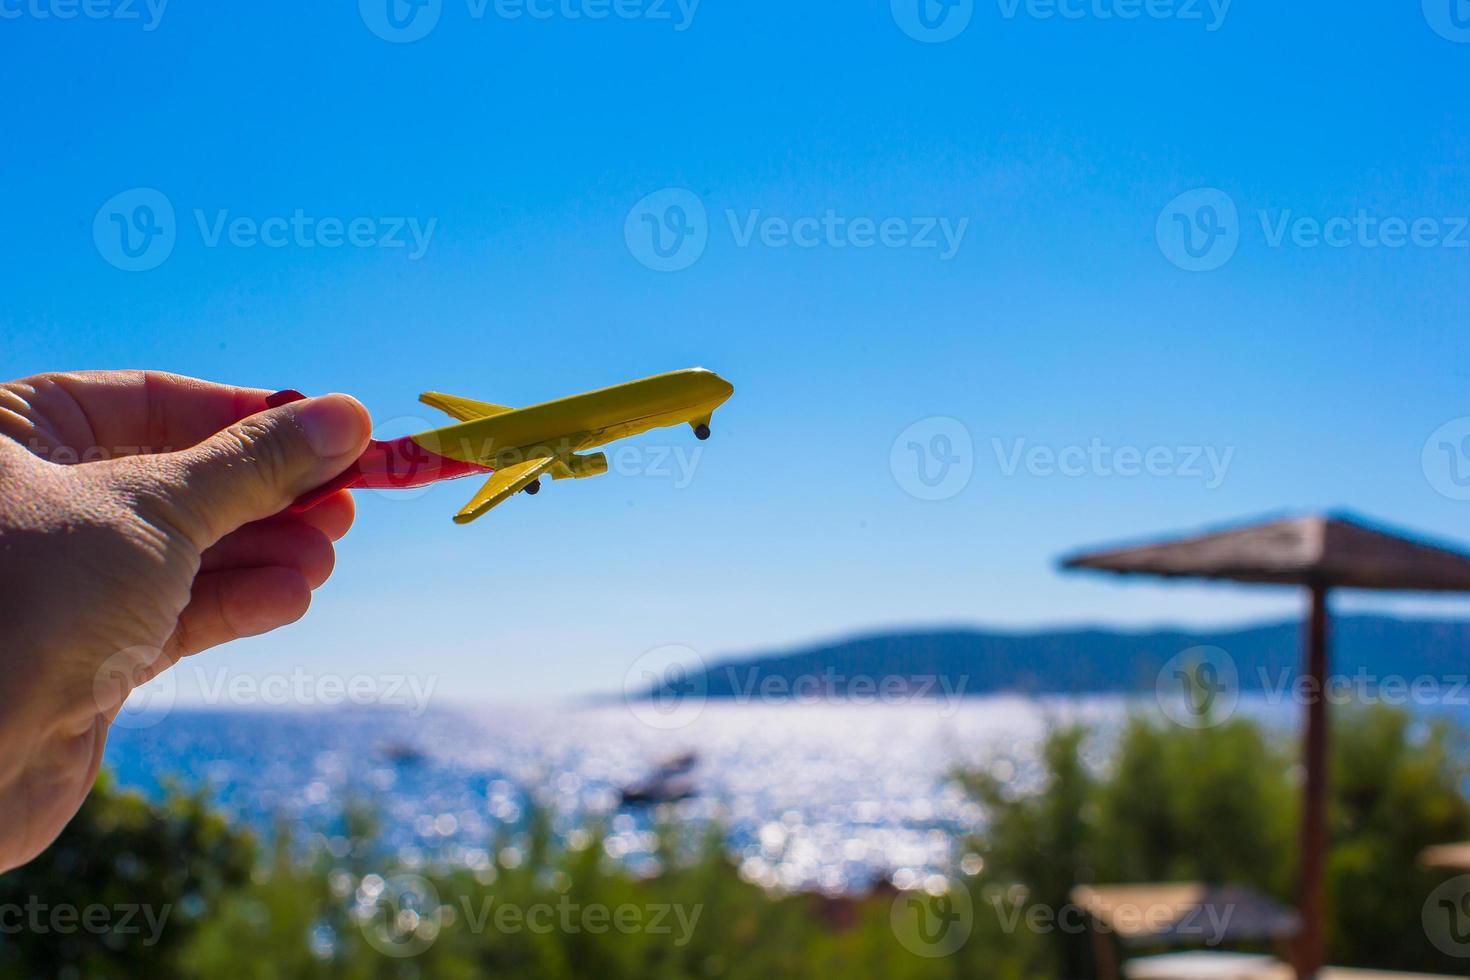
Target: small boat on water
[
  {"x": 671, "y": 780},
  {"x": 401, "y": 753}
]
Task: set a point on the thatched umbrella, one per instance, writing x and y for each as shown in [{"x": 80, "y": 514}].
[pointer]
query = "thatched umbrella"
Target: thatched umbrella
[{"x": 1317, "y": 552}]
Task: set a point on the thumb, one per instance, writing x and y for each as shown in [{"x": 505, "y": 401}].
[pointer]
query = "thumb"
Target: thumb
[{"x": 258, "y": 466}]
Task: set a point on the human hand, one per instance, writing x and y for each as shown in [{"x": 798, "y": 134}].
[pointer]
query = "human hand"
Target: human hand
[{"x": 167, "y": 537}]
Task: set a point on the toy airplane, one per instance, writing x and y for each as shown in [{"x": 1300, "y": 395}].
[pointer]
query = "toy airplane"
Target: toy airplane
[{"x": 519, "y": 445}]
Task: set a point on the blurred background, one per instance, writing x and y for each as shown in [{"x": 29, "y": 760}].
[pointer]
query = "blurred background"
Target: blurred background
[{"x": 995, "y": 283}]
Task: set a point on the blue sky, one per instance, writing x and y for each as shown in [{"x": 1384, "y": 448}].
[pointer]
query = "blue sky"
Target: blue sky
[{"x": 1054, "y": 148}]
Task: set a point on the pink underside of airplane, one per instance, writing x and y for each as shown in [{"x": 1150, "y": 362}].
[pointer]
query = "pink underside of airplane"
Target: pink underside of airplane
[{"x": 386, "y": 464}]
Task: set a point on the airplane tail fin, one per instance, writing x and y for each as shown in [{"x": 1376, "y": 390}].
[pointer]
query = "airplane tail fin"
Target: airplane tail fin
[{"x": 464, "y": 409}]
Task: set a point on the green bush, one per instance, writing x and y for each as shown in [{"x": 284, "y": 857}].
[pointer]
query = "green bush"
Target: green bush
[
  {"x": 1220, "y": 804},
  {"x": 1217, "y": 804}
]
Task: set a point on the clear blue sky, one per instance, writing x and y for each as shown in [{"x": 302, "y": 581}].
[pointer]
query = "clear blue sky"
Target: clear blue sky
[{"x": 1060, "y": 319}]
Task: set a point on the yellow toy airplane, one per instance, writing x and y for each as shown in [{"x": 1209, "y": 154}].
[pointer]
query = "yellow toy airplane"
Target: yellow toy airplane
[{"x": 519, "y": 445}]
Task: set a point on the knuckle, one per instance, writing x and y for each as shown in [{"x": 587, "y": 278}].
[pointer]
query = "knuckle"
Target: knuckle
[{"x": 267, "y": 446}]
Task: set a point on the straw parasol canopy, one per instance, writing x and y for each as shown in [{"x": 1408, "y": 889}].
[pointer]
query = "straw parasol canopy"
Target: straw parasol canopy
[
  {"x": 1446, "y": 857},
  {"x": 1317, "y": 552},
  {"x": 1335, "y": 549},
  {"x": 1187, "y": 912}
]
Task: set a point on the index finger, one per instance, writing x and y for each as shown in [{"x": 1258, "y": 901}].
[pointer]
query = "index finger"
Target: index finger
[{"x": 127, "y": 412}]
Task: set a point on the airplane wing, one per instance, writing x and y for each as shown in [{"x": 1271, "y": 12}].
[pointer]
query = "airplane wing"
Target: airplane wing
[
  {"x": 464, "y": 409},
  {"x": 503, "y": 485}
]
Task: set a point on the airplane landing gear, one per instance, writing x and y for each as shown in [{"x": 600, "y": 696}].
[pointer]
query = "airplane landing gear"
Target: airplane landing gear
[
  {"x": 701, "y": 432},
  {"x": 534, "y": 487}
]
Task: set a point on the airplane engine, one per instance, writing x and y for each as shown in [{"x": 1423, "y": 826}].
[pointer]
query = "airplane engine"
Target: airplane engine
[{"x": 580, "y": 467}]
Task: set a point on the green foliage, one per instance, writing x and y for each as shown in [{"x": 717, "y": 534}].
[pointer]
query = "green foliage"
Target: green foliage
[
  {"x": 1220, "y": 804},
  {"x": 1216, "y": 804},
  {"x": 125, "y": 884},
  {"x": 554, "y": 914},
  {"x": 1395, "y": 790}
]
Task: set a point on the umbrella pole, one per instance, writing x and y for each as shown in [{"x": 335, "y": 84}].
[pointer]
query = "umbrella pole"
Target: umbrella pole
[{"x": 1311, "y": 898}]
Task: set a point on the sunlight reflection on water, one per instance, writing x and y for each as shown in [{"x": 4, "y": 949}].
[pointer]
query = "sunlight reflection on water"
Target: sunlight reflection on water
[{"x": 818, "y": 796}]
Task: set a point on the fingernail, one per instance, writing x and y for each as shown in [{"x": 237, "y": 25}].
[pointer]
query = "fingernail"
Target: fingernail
[
  {"x": 283, "y": 397},
  {"x": 335, "y": 425}
]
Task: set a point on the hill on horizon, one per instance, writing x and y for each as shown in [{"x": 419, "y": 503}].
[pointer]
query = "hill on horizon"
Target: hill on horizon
[{"x": 1085, "y": 661}]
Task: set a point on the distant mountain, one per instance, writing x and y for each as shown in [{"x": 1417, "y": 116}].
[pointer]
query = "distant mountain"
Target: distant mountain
[{"x": 1092, "y": 661}]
